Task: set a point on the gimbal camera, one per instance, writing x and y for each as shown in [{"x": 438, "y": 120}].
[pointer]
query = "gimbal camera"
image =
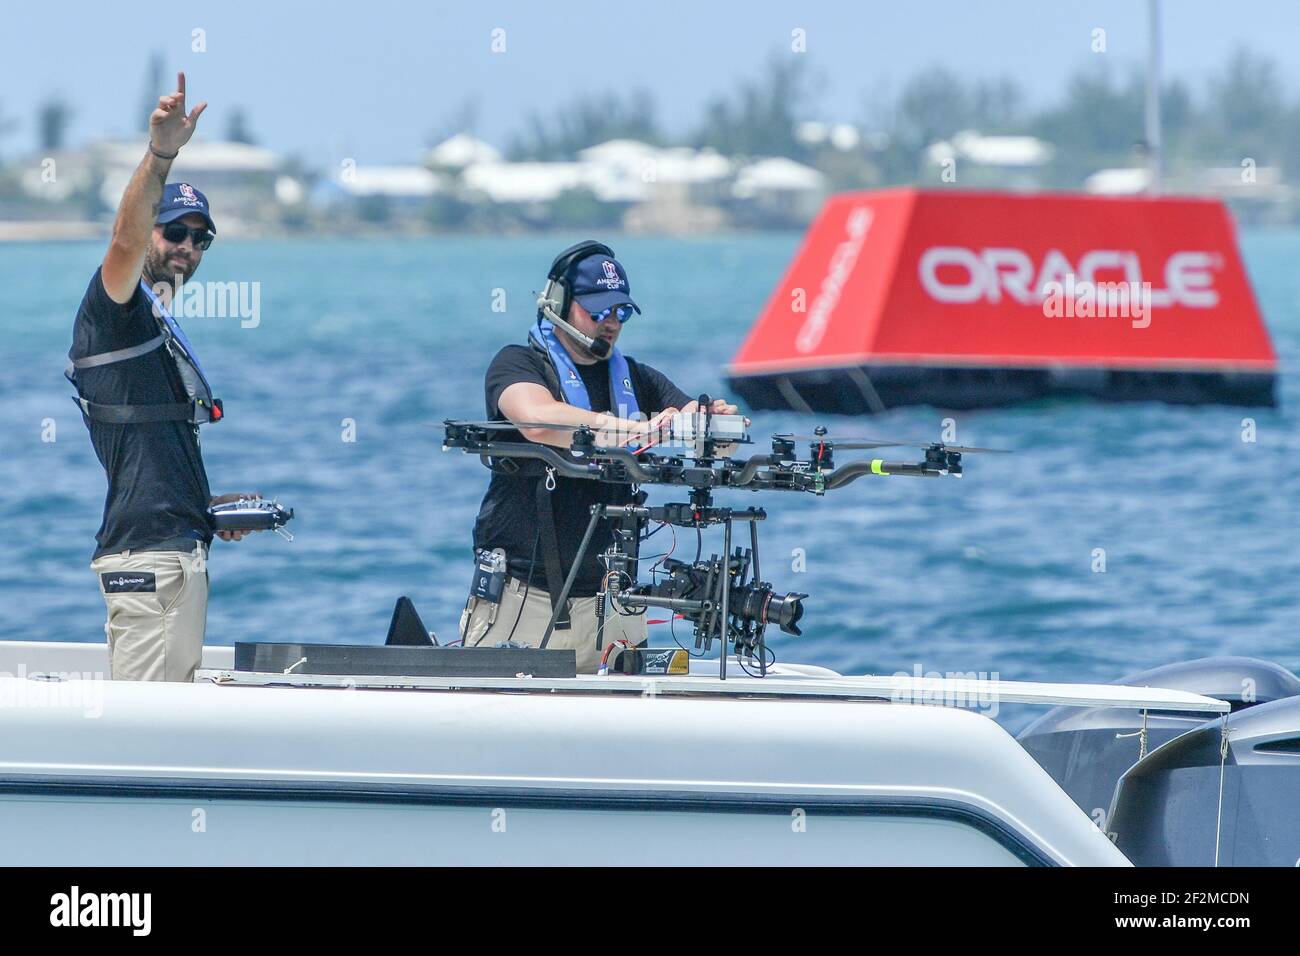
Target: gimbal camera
[{"x": 723, "y": 595}]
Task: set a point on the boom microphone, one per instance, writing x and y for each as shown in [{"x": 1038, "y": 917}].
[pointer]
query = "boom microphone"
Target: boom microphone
[{"x": 597, "y": 347}]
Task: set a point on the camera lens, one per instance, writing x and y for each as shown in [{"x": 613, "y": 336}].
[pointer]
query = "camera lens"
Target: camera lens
[
  {"x": 761, "y": 605},
  {"x": 786, "y": 611}
]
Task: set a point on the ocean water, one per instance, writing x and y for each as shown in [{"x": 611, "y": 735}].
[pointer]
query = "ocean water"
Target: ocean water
[{"x": 386, "y": 338}]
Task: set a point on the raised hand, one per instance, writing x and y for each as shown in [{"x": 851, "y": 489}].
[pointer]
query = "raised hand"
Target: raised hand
[{"x": 170, "y": 127}]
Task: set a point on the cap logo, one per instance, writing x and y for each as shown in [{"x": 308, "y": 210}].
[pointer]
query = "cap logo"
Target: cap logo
[
  {"x": 611, "y": 279},
  {"x": 187, "y": 197}
]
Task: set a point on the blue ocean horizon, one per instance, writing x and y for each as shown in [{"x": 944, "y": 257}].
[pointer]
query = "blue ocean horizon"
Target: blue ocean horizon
[{"x": 378, "y": 341}]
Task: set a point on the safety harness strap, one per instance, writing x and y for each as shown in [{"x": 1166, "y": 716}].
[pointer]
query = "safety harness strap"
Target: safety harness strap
[
  {"x": 117, "y": 355},
  {"x": 200, "y": 408},
  {"x": 551, "y": 554},
  {"x": 136, "y": 414}
]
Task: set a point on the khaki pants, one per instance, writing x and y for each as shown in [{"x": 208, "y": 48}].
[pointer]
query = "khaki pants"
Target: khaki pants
[
  {"x": 480, "y": 628},
  {"x": 157, "y": 612}
]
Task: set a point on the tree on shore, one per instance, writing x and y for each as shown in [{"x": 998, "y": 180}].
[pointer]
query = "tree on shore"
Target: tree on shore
[
  {"x": 52, "y": 120},
  {"x": 237, "y": 130},
  {"x": 585, "y": 122},
  {"x": 759, "y": 117}
]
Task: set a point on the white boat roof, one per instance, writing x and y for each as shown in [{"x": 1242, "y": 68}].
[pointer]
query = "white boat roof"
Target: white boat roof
[
  {"x": 787, "y": 679},
  {"x": 955, "y": 692},
  {"x": 800, "y": 736},
  {"x": 797, "y": 753}
]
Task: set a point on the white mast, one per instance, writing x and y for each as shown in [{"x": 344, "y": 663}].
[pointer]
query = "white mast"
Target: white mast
[{"x": 1155, "y": 147}]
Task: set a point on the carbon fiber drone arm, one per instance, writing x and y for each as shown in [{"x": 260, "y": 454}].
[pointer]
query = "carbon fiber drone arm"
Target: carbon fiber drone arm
[
  {"x": 844, "y": 474},
  {"x": 549, "y": 455},
  {"x": 778, "y": 471}
]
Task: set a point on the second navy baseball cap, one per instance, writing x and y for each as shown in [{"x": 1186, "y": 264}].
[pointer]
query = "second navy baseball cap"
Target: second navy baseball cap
[{"x": 600, "y": 282}]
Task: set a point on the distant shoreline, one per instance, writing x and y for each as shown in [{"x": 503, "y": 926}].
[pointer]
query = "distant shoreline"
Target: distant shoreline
[{"x": 60, "y": 230}]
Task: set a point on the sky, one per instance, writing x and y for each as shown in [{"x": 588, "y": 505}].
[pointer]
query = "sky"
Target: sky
[{"x": 373, "y": 80}]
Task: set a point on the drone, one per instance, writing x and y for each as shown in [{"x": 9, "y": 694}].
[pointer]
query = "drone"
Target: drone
[{"x": 723, "y": 596}]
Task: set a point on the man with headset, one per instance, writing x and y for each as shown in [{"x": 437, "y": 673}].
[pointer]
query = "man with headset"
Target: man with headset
[{"x": 531, "y": 521}]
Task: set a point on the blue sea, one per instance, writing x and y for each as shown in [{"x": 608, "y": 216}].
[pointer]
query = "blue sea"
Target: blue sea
[{"x": 380, "y": 340}]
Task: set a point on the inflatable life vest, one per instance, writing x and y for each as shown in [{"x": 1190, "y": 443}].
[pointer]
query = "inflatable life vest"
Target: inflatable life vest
[
  {"x": 572, "y": 389},
  {"x": 199, "y": 406}
]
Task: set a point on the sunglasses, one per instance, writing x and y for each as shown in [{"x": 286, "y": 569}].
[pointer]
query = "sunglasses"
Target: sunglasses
[
  {"x": 624, "y": 312},
  {"x": 176, "y": 232}
]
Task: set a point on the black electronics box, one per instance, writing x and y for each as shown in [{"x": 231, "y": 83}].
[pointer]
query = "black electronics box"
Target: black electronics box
[{"x": 404, "y": 661}]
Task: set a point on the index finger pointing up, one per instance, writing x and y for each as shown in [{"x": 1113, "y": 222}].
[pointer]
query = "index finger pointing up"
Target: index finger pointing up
[{"x": 180, "y": 84}]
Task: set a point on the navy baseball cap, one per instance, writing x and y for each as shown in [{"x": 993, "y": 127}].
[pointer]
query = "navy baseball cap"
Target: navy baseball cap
[
  {"x": 181, "y": 199},
  {"x": 598, "y": 283}
]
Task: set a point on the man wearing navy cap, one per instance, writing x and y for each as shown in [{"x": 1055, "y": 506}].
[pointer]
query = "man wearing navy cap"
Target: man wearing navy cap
[
  {"x": 569, "y": 373},
  {"x": 143, "y": 394}
]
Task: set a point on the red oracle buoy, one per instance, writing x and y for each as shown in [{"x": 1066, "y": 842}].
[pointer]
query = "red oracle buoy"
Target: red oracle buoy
[{"x": 964, "y": 299}]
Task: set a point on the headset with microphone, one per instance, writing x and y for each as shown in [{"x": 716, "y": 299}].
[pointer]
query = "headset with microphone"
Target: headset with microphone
[{"x": 554, "y": 308}]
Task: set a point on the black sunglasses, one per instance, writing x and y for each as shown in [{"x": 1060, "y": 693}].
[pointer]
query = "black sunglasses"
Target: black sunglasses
[{"x": 177, "y": 231}]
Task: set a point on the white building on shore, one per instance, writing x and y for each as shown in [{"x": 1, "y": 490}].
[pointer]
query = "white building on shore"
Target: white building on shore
[{"x": 244, "y": 183}]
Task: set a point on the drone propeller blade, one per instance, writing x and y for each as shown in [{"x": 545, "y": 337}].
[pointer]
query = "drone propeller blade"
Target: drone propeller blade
[
  {"x": 851, "y": 444},
  {"x": 514, "y": 426},
  {"x": 960, "y": 449},
  {"x": 856, "y": 443},
  {"x": 966, "y": 449}
]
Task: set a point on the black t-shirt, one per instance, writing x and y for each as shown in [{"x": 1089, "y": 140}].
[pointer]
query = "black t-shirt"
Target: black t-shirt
[
  {"x": 508, "y": 516},
  {"x": 157, "y": 488}
]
